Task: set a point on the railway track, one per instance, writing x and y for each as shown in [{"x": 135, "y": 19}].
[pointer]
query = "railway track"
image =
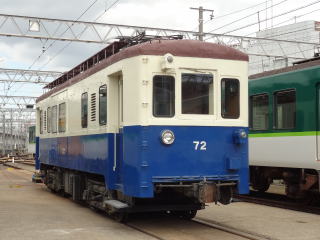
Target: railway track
[
  {"x": 27, "y": 165},
  {"x": 167, "y": 228},
  {"x": 279, "y": 201}
]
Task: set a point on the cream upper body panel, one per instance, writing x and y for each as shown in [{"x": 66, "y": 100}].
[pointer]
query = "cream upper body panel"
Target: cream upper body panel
[{"x": 136, "y": 74}]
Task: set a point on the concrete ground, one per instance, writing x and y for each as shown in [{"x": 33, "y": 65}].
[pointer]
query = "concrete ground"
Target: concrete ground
[
  {"x": 273, "y": 223},
  {"x": 30, "y": 211}
]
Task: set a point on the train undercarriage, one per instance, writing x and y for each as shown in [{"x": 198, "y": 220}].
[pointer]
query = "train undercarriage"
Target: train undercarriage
[
  {"x": 181, "y": 199},
  {"x": 300, "y": 184}
]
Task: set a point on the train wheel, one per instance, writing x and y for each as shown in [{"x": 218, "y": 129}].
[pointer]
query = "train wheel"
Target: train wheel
[
  {"x": 188, "y": 214},
  {"x": 120, "y": 217},
  {"x": 261, "y": 187}
]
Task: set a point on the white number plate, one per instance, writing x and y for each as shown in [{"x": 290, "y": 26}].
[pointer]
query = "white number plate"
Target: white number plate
[{"x": 200, "y": 145}]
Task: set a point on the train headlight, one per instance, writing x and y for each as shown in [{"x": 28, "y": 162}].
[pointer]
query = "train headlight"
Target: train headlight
[
  {"x": 240, "y": 136},
  {"x": 169, "y": 58},
  {"x": 167, "y": 137},
  {"x": 243, "y": 134},
  {"x": 167, "y": 62}
]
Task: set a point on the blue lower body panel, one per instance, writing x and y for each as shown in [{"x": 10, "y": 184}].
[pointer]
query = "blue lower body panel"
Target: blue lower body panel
[{"x": 136, "y": 159}]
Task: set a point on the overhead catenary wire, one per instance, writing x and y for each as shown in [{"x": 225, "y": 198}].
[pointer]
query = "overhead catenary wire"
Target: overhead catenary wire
[
  {"x": 266, "y": 19},
  {"x": 288, "y": 20},
  {"x": 252, "y": 14},
  {"x": 68, "y": 44},
  {"x": 45, "y": 50},
  {"x": 86, "y": 10},
  {"x": 237, "y": 11}
]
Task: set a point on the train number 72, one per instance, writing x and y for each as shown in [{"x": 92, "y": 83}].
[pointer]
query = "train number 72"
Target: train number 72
[{"x": 202, "y": 146}]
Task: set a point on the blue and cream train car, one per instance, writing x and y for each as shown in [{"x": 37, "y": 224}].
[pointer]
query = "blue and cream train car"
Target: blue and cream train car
[{"x": 158, "y": 126}]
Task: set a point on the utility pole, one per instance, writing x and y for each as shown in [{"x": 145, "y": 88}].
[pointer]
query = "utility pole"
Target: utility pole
[{"x": 201, "y": 10}]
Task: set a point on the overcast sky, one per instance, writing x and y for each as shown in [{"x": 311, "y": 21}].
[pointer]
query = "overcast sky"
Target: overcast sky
[{"x": 175, "y": 14}]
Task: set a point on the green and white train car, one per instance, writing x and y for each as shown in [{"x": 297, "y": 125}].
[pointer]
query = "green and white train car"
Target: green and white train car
[{"x": 284, "y": 139}]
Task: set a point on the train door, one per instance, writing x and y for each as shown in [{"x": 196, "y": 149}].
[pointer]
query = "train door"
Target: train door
[
  {"x": 318, "y": 122},
  {"x": 116, "y": 121},
  {"x": 120, "y": 108}
]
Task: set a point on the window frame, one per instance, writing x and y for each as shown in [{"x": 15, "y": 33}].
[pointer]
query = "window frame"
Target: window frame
[
  {"x": 251, "y": 111},
  {"x": 173, "y": 103},
  {"x": 60, "y": 129},
  {"x": 222, "y": 100},
  {"x": 211, "y": 97},
  {"x": 106, "y": 106},
  {"x": 275, "y": 109},
  {"x": 49, "y": 119},
  {"x": 87, "y": 108},
  {"x": 41, "y": 121},
  {"x": 54, "y": 122}
]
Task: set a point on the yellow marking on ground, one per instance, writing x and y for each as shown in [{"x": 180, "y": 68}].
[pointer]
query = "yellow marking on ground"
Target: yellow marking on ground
[
  {"x": 15, "y": 186},
  {"x": 10, "y": 169}
]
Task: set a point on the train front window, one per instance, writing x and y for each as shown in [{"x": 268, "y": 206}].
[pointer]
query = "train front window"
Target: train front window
[
  {"x": 285, "y": 109},
  {"x": 230, "y": 98},
  {"x": 197, "y": 93},
  {"x": 163, "y": 96},
  {"x": 259, "y": 112}
]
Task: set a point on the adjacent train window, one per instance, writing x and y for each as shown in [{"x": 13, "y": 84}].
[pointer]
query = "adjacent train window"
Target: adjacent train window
[
  {"x": 197, "y": 93},
  {"x": 49, "y": 120},
  {"x": 84, "y": 110},
  {"x": 259, "y": 112},
  {"x": 41, "y": 122},
  {"x": 62, "y": 117},
  {"x": 54, "y": 115},
  {"x": 285, "y": 109},
  {"x": 230, "y": 98},
  {"x": 163, "y": 96},
  {"x": 103, "y": 105}
]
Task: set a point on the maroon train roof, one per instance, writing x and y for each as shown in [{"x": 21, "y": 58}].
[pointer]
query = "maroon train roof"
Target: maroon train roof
[{"x": 182, "y": 48}]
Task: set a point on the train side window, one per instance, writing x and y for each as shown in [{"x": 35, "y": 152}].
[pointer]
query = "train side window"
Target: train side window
[
  {"x": 197, "y": 93},
  {"x": 259, "y": 112},
  {"x": 32, "y": 134},
  {"x": 48, "y": 119},
  {"x": 285, "y": 109},
  {"x": 62, "y": 117},
  {"x": 230, "y": 98},
  {"x": 103, "y": 105},
  {"x": 54, "y": 115},
  {"x": 84, "y": 110},
  {"x": 41, "y": 122},
  {"x": 163, "y": 96}
]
